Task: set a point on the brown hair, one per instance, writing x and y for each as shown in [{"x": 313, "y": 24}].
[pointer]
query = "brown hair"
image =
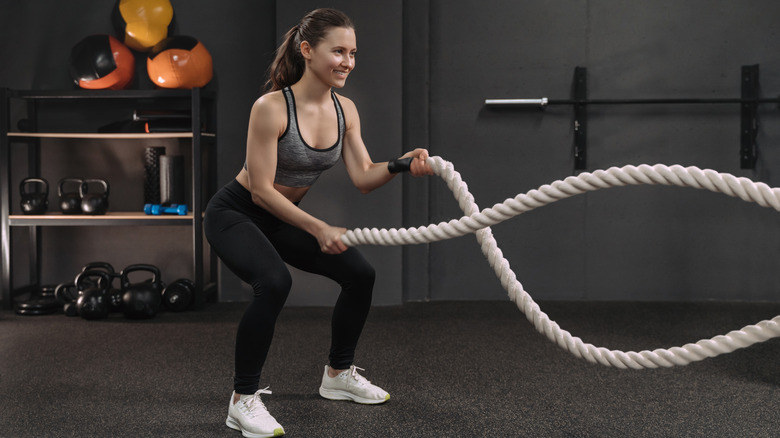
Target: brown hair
[{"x": 288, "y": 65}]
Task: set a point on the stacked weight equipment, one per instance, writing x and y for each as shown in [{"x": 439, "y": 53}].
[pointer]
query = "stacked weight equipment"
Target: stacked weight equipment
[
  {"x": 80, "y": 201},
  {"x": 92, "y": 294},
  {"x": 36, "y": 202},
  {"x": 101, "y": 61},
  {"x": 41, "y": 302}
]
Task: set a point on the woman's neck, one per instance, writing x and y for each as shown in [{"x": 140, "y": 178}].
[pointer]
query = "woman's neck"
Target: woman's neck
[{"x": 311, "y": 89}]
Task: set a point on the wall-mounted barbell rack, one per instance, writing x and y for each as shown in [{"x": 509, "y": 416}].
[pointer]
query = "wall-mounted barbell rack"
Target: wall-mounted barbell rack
[{"x": 748, "y": 101}]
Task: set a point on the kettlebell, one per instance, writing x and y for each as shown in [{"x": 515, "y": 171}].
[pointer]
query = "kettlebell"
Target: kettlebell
[
  {"x": 67, "y": 295},
  {"x": 114, "y": 295},
  {"x": 94, "y": 203},
  {"x": 92, "y": 302},
  {"x": 34, "y": 202},
  {"x": 141, "y": 300},
  {"x": 70, "y": 202},
  {"x": 177, "y": 296}
]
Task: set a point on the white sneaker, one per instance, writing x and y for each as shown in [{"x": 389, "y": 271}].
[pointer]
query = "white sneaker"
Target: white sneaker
[
  {"x": 349, "y": 385},
  {"x": 250, "y": 416}
]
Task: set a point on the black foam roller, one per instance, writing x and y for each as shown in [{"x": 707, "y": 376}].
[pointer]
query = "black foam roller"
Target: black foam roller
[
  {"x": 172, "y": 180},
  {"x": 152, "y": 174}
]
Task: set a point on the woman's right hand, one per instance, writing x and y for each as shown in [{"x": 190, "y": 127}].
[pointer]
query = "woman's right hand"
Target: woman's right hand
[{"x": 329, "y": 239}]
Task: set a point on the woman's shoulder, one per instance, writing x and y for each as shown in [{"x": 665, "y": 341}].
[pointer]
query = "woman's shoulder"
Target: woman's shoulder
[
  {"x": 270, "y": 100},
  {"x": 269, "y": 112},
  {"x": 270, "y": 104},
  {"x": 346, "y": 104},
  {"x": 344, "y": 99}
]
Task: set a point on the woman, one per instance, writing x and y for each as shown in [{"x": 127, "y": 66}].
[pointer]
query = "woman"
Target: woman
[{"x": 297, "y": 130}]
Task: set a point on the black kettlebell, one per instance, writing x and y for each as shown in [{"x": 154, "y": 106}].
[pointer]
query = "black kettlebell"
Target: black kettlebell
[
  {"x": 114, "y": 295},
  {"x": 92, "y": 302},
  {"x": 70, "y": 202},
  {"x": 67, "y": 295},
  {"x": 178, "y": 295},
  {"x": 34, "y": 202},
  {"x": 141, "y": 300},
  {"x": 94, "y": 203}
]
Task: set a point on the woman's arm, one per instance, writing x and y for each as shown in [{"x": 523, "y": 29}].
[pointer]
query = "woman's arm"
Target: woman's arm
[
  {"x": 364, "y": 173},
  {"x": 267, "y": 122}
]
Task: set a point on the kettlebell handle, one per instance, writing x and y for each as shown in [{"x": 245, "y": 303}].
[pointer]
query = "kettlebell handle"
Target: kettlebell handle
[
  {"x": 103, "y": 266},
  {"x": 103, "y": 282},
  {"x": 84, "y": 187},
  {"x": 33, "y": 180},
  {"x": 64, "y": 181},
  {"x": 99, "y": 265},
  {"x": 63, "y": 292},
  {"x": 125, "y": 281}
]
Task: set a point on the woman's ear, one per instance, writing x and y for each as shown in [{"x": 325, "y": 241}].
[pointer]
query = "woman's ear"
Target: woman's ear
[{"x": 305, "y": 50}]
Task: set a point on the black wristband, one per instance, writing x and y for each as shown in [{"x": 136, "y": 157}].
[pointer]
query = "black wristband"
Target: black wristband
[{"x": 399, "y": 165}]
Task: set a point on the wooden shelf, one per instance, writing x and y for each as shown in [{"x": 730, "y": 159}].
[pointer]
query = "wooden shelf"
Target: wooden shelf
[
  {"x": 108, "y": 219},
  {"x": 45, "y": 104},
  {"x": 129, "y": 136},
  {"x": 108, "y": 94}
]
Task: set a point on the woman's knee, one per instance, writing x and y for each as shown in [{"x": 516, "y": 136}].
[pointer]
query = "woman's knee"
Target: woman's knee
[
  {"x": 366, "y": 274},
  {"x": 361, "y": 277},
  {"x": 277, "y": 283}
]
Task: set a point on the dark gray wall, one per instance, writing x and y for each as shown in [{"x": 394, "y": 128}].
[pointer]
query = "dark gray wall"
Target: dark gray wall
[
  {"x": 424, "y": 69},
  {"x": 644, "y": 243}
]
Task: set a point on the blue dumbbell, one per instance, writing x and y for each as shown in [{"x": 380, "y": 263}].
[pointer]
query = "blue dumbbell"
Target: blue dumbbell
[{"x": 157, "y": 209}]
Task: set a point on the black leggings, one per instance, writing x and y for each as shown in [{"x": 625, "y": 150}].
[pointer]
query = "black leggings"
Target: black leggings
[{"x": 255, "y": 245}]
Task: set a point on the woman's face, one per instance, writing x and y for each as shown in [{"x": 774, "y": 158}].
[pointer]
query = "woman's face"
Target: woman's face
[{"x": 334, "y": 56}]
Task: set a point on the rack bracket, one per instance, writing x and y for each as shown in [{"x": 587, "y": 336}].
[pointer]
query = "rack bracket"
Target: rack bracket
[
  {"x": 748, "y": 150},
  {"x": 580, "y": 94}
]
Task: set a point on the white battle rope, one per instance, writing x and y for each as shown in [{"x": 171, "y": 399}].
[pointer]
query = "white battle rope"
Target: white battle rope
[{"x": 479, "y": 223}]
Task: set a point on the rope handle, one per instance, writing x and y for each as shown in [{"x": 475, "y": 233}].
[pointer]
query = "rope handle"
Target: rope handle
[{"x": 479, "y": 222}]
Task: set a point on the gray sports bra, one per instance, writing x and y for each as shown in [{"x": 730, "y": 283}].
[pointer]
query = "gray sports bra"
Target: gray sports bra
[{"x": 297, "y": 163}]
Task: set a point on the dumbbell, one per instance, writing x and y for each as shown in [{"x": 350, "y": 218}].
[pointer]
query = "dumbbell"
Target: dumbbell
[
  {"x": 157, "y": 209},
  {"x": 178, "y": 295}
]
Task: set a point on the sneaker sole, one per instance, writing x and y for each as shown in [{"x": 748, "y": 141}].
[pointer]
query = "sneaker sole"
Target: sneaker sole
[
  {"x": 337, "y": 394},
  {"x": 233, "y": 424}
]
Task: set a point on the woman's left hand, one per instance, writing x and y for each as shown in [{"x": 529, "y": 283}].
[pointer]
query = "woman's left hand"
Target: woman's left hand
[{"x": 419, "y": 165}]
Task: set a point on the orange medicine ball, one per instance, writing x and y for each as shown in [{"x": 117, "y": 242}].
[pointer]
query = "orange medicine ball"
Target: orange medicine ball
[
  {"x": 180, "y": 62},
  {"x": 100, "y": 62},
  {"x": 142, "y": 23}
]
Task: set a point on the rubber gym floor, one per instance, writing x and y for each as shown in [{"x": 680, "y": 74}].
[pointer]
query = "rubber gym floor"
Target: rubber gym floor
[{"x": 453, "y": 369}]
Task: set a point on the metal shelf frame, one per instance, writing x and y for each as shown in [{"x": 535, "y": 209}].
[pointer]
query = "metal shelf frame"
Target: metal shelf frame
[{"x": 199, "y": 100}]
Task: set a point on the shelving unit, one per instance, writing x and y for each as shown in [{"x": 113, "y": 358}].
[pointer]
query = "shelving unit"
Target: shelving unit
[{"x": 201, "y": 106}]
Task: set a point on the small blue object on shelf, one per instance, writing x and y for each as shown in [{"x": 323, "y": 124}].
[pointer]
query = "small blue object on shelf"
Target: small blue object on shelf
[{"x": 157, "y": 209}]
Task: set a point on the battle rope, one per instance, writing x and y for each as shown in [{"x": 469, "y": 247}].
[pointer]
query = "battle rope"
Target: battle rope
[{"x": 479, "y": 223}]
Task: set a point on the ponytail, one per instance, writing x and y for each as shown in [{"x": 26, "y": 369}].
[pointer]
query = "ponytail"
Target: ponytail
[{"x": 288, "y": 65}]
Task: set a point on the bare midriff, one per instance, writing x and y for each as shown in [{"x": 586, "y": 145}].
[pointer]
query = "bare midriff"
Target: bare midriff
[{"x": 294, "y": 194}]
